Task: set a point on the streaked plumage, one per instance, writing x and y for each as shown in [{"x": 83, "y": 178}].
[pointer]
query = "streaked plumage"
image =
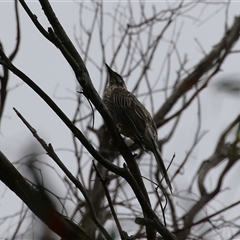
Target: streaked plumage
[{"x": 132, "y": 118}]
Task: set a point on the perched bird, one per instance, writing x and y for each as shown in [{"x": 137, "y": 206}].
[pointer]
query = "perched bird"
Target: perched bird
[{"x": 132, "y": 119}]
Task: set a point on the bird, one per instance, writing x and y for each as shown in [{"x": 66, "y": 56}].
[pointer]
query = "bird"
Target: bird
[{"x": 132, "y": 119}]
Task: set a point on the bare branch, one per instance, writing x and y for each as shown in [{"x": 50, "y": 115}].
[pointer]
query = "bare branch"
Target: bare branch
[
  {"x": 212, "y": 61},
  {"x": 37, "y": 202}
]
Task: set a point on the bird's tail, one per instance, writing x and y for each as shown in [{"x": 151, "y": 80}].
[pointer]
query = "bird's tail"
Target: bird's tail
[{"x": 161, "y": 166}]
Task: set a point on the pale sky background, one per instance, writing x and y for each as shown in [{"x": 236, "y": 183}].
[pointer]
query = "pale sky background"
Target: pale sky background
[{"x": 43, "y": 63}]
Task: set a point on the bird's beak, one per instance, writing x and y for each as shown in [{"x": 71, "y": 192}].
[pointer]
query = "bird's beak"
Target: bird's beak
[
  {"x": 108, "y": 69},
  {"x": 108, "y": 72}
]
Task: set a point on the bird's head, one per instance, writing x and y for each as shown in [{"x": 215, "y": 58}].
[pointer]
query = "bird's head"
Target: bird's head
[{"x": 114, "y": 78}]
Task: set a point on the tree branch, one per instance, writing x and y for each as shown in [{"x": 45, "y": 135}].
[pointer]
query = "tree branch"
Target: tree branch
[
  {"x": 37, "y": 202},
  {"x": 211, "y": 61}
]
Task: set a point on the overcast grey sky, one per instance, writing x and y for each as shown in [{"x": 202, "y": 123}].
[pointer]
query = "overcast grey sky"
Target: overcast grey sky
[{"x": 43, "y": 63}]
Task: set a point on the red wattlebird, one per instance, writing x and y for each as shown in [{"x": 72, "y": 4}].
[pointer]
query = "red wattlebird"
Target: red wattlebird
[{"x": 132, "y": 118}]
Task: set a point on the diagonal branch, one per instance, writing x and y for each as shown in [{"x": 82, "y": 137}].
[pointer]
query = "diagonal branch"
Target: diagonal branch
[
  {"x": 68, "y": 50},
  {"x": 123, "y": 172},
  {"x": 49, "y": 149},
  {"x": 37, "y": 202},
  {"x": 5, "y": 76},
  {"x": 223, "y": 151},
  {"x": 211, "y": 61}
]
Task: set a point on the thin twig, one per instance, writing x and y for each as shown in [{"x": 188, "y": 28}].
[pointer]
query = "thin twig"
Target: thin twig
[
  {"x": 49, "y": 149},
  {"x": 103, "y": 181}
]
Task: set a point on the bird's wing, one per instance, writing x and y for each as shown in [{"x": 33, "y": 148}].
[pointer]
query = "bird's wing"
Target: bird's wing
[{"x": 132, "y": 113}]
